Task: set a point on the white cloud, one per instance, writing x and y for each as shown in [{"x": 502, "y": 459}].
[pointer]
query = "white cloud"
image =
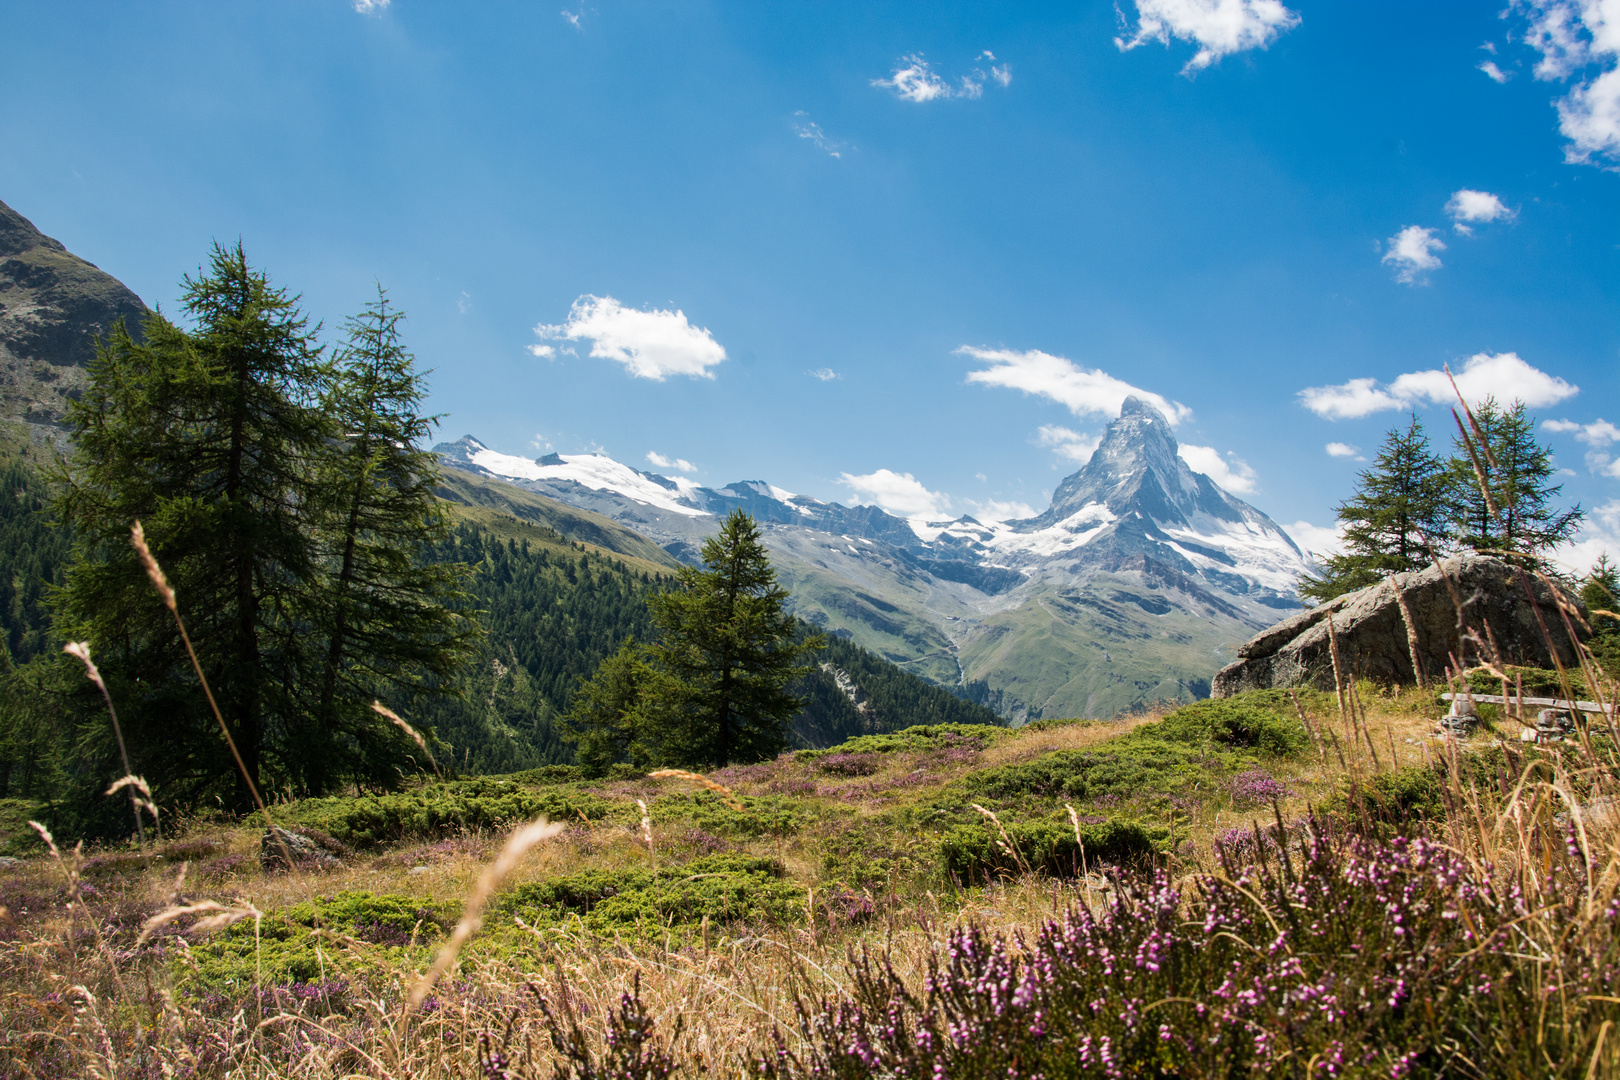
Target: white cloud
[
  {"x": 663, "y": 462},
  {"x": 464, "y": 302},
  {"x": 1494, "y": 73},
  {"x": 1076, "y": 446},
  {"x": 1358, "y": 397},
  {"x": 825, "y": 374},
  {"x": 1082, "y": 390},
  {"x": 1339, "y": 449},
  {"x": 1230, "y": 472},
  {"x": 1574, "y": 36},
  {"x": 898, "y": 493},
  {"x": 1600, "y": 534},
  {"x": 1219, "y": 27},
  {"x": 650, "y": 344},
  {"x": 1412, "y": 252},
  {"x": 572, "y": 17},
  {"x": 1503, "y": 376},
  {"x": 809, "y": 129},
  {"x": 371, "y": 7},
  {"x": 1598, "y": 433},
  {"x": 1467, "y": 206},
  {"x": 914, "y": 79},
  {"x": 1000, "y": 510},
  {"x": 1316, "y": 540},
  {"x": 544, "y": 352}
]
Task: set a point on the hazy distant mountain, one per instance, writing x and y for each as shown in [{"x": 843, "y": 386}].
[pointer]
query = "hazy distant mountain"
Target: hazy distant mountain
[
  {"x": 53, "y": 307},
  {"x": 1134, "y": 586}
]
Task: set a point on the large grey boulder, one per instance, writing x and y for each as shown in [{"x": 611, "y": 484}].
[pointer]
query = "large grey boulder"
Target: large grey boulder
[
  {"x": 1525, "y": 625},
  {"x": 307, "y": 852}
]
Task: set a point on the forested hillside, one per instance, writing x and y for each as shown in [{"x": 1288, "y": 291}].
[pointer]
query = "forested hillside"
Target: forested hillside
[
  {"x": 554, "y": 609},
  {"x": 33, "y": 554}
]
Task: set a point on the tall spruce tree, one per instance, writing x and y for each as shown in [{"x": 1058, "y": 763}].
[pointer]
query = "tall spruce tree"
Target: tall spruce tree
[
  {"x": 1395, "y": 520},
  {"x": 207, "y": 437},
  {"x": 388, "y": 621},
  {"x": 730, "y": 652},
  {"x": 1519, "y": 517},
  {"x": 607, "y": 712},
  {"x": 282, "y": 494}
]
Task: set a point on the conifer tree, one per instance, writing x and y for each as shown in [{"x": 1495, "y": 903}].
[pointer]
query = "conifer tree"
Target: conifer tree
[
  {"x": 387, "y": 619},
  {"x": 207, "y": 437},
  {"x": 730, "y": 652},
  {"x": 1394, "y": 521},
  {"x": 1519, "y": 516},
  {"x": 607, "y": 712}
]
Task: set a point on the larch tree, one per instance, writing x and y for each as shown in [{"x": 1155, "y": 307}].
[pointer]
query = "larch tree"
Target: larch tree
[
  {"x": 1500, "y": 495},
  {"x": 389, "y": 623},
  {"x": 1394, "y": 523}
]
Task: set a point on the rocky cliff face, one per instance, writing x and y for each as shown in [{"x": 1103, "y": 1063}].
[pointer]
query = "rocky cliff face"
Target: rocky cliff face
[{"x": 53, "y": 308}]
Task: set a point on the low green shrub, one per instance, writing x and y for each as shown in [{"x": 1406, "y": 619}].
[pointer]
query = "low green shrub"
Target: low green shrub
[
  {"x": 283, "y": 949},
  {"x": 17, "y": 837},
  {"x": 972, "y": 854},
  {"x": 1261, "y": 720},
  {"x": 761, "y": 815},
  {"x": 1122, "y": 770},
  {"x": 442, "y": 809},
  {"x": 727, "y": 888},
  {"x": 922, "y": 738}
]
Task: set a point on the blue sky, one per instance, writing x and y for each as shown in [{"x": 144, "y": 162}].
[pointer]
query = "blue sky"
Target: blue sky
[{"x": 918, "y": 252}]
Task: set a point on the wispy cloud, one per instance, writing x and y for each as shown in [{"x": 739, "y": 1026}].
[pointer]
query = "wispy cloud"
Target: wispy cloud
[
  {"x": 1071, "y": 445},
  {"x": 805, "y": 128},
  {"x": 663, "y": 462},
  {"x": 652, "y": 344},
  {"x": 1599, "y": 535},
  {"x": 1082, "y": 390},
  {"x": 371, "y": 7},
  {"x": 1229, "y": 471},
  {"x": 572, "y": 17},
  {"x": 1468, "y": 207},
  {"x": 1494, "y": 73},
  {"x": 914, "y": 79},
  {"x": 1001, "y": 510},
  {"x": 1579, "y": 42},
  {"x": 898, "y": 493},
  {"x": 825, "y": 374},
  {"x": 1218, "y": 27},
  {"x": 1344, "y": 450},
  {"x": 1412, "y": 252},
  {"x": 1503, "y": 376},
  {"x": 1599, "y": 435},
  {"x": 1316, "y": 540}
]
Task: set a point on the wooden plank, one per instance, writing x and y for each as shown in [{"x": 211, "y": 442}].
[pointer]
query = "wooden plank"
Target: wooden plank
[{"x": 1544, "y": 702}]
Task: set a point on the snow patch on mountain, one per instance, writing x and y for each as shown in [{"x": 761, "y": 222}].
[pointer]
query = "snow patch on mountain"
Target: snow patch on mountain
[{"x": 596, "y": 471}]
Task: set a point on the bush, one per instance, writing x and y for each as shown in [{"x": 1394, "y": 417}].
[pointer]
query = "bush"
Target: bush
[
  {"x": 923, "y": 738},
  {"x": 441, "y": 809},
  {"x": 1262, "y": 720},
  {"x": 761, "y": 815},
  {"x": 1135, "y": 767},
  {"x": 970, "y": 853},
  {"x": 283, "y": 951},
  {"x": 725, "y": 888}
]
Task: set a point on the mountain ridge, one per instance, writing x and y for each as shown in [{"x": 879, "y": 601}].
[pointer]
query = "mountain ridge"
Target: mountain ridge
[{"x": 1137, "y": 555}]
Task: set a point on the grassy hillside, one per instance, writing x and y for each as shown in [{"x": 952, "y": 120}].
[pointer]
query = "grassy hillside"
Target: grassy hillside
[
  {"x": 491, "y": 502},
  {"x": 1167, "y": 890}
]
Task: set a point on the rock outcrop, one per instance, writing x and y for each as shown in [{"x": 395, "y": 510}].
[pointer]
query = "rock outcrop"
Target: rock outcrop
[
  {"x": 307, "y": 853},
  {"x": 1525, "y": 626}
]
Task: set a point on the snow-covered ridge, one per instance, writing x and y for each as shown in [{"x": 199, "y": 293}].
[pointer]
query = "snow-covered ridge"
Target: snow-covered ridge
[{"x": 596, "y": 471}]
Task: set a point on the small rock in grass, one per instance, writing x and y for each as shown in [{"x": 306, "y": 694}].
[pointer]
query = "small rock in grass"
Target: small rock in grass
[
  {"x": 418, "y": 870},
  {"x": 276, "y": 844}
]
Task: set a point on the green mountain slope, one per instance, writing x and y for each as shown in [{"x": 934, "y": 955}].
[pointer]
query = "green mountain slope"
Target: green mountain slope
[{"x": 484, "y": 501}]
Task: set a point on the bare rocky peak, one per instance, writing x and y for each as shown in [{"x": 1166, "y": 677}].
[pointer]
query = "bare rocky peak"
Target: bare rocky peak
[{"x": 54, "y": 306}]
